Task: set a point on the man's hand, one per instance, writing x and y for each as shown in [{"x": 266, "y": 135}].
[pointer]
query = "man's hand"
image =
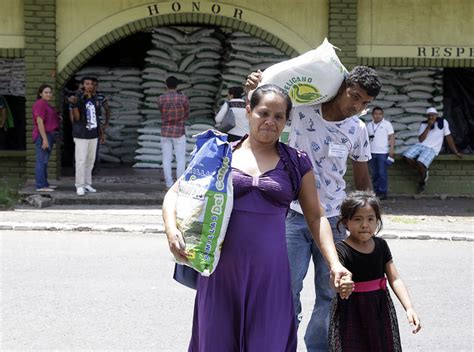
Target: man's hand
[
  {"x": 459, "y": 155},
  {"x": 253, "y": 80},
  {"x": 431, "y": 121}
]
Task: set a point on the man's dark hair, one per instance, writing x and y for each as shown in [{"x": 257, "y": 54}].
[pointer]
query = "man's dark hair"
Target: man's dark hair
[
  {"x": 366, "y": 78},
  {"x": 236, "y": 92},
  {"x": 377, "y": 108},
  {"x": 172, "y": 82},
  {"x": 88, "y": 78}
]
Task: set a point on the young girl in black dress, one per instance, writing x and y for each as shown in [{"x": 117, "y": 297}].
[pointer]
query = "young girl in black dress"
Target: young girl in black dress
[{"x": 367, "y": 320}]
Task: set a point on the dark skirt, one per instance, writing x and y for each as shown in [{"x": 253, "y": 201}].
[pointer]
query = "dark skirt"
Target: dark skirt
[{"x": 366, "y": 322}]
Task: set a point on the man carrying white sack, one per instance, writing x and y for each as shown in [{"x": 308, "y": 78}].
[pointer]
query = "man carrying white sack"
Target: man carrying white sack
[
  {"x": 329, "y": 133},
  {"x": 431, "y": 135}
]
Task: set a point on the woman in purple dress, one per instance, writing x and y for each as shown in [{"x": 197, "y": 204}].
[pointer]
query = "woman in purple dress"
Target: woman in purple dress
[{"x": 247, "y": 304}]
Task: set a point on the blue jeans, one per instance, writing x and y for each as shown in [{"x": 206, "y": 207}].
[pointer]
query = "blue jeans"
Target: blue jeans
[
  {"x": 42, "y": 158},
  {"x": 301, "y": 248},
  {"x": 378, "y": 171}
]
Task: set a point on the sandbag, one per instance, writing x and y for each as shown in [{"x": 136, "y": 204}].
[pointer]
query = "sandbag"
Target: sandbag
[{"x": 311, "y": 78}]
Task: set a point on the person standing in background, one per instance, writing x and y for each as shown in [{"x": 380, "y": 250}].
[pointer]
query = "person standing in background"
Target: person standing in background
[
  {"x": 174, "y": 108},
  {"x": 3, "y": 122},
  {"x": 382, "y": 146},
  {"x": 237, "y": 104},
  {"x": 104, "y": 122},
  {"x": 86, "y": 111},
  {"x": 46, "y": 122}
]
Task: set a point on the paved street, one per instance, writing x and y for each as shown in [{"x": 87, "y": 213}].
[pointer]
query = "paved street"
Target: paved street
[{"x": 111, "y": 291}]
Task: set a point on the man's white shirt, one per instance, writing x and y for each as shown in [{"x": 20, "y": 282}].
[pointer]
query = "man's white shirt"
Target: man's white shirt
[
  {"x": 328, "y": 144},
  {"x": 380, "y": 131},
  {"x": 435, "y": 137}
]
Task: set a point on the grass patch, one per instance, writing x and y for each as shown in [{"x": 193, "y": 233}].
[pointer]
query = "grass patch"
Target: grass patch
[
  {"x": 8, "y": 194},
  {"x": 404, "y": 220}
]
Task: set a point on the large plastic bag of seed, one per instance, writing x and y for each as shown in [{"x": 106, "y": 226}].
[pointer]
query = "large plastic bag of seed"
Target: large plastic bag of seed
[
  {"x": 311, "y": 78},
  {"x": 205, "y": 200}
]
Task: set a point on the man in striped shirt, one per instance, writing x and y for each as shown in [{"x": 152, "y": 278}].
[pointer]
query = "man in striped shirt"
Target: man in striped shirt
[{"x": 174, "y": 108}]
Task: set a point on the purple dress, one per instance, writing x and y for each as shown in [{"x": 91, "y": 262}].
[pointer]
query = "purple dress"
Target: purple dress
[{"x": 247, "y": 304}]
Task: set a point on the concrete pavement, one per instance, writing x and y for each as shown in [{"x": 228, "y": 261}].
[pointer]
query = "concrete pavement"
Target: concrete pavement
[{"x": 147, "y": 220}]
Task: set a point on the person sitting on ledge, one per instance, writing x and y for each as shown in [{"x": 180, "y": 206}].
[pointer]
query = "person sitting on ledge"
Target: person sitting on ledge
[{"x": 431, "y": 135}]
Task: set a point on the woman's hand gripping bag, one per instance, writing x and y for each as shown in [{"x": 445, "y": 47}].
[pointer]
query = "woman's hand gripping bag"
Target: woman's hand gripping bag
[
  {"x": 311, "y": 78},
  {"x": 205, "y": 199}
]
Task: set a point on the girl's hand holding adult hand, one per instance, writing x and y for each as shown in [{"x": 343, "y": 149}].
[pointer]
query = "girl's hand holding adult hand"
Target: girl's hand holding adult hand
[
  {"x": 346, "y": 287},
  {"x": 177, "y": 245},
  {"x": 337, "y": 273},
  {"x": 413, "y": 320}
]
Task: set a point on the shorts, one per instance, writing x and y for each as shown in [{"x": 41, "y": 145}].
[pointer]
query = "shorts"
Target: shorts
[{"x": 421, "y": 153}]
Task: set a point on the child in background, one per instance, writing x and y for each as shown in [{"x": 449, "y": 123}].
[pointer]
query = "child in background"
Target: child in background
[{"x": 367, "y": 321}]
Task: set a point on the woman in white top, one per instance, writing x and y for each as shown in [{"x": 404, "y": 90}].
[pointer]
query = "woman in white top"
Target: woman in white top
[{"x": 237, "y": 104}]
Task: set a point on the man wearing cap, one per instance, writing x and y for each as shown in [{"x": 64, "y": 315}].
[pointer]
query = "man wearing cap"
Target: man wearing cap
[{"x": 431, "y": 135}]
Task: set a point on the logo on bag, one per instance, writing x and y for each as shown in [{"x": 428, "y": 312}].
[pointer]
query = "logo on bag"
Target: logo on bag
[{"x": 303, "y": 93}]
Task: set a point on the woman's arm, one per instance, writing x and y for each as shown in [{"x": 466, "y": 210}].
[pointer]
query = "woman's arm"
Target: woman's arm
[
  {"x": 320, "y": 227},
  {"x": 175, "y": 237},
  {"x": 401, "y": 292},
  {"x": 42, "y": 132}
]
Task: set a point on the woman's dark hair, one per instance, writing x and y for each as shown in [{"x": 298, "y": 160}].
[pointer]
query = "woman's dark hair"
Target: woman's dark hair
[
  {"x": 377, "y": 108},
  {"x": 41, "y": 88},
  {"x": 236, "y": 92},
  {"x": 357, "y": 200},
  {"x": 366, "y": 78},
  {"x": 261, "y": 91}
]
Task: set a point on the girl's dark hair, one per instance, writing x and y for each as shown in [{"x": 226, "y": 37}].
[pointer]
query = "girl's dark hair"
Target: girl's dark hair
[
  {"x": 357, "y": 200},
  {"x": 41, "y": 88},
  {"x": 261, "y": 91}
]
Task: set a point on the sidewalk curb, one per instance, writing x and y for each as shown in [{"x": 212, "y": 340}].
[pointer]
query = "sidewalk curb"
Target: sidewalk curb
[{"x": 159, "y": 229}]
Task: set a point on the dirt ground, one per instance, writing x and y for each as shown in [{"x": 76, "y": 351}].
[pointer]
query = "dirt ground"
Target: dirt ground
[
  {"x": 430, "y": 214},
  {"x": 421, "y": 206}
]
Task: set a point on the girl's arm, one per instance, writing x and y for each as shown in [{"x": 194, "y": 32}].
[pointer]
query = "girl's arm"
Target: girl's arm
[
  {"x": 321, "y": 229},
  {"x": 401, "y": 292},
  {"x": 175, "y": 237}
]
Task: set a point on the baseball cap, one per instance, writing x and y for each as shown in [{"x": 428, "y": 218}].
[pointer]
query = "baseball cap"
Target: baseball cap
[{"x": 431, "y": 111}]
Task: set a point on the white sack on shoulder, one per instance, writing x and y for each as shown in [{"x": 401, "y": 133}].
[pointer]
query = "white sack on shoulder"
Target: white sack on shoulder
[{"x": 311, "y": 78}]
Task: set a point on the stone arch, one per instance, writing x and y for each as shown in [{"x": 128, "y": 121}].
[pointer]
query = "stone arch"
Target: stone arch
[{"x": 82, "y": 49}]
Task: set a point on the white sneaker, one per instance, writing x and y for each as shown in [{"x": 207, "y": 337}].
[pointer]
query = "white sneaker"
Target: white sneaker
[
  {"x": 80, "y": 191},
  {"x": 89, "y": 189}
]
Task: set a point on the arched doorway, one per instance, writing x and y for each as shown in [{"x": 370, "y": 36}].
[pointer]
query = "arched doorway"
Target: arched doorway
[{"x": 124, "y": 136}]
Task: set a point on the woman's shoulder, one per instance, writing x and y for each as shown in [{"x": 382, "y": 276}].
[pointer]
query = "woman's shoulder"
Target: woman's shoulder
[{"x": 296, "y": 155}]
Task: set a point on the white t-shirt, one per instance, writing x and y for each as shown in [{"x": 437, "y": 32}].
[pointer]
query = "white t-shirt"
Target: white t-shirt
[
  {"x": 380, "y": 131},
  {"x": 241, "y": 123},
  {"x": 328, "y": 144},
  {"x": 435, "y": 137}
]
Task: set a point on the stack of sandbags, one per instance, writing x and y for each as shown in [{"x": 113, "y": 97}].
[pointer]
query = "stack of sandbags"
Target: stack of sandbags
[
  {"x": 246, "y": 54},
  {"x": 193, "y": 56},
  {"x": 406, "y": 94},
  {"x": 122, "y": 87},
  {"x": 12, "y": 77}
]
